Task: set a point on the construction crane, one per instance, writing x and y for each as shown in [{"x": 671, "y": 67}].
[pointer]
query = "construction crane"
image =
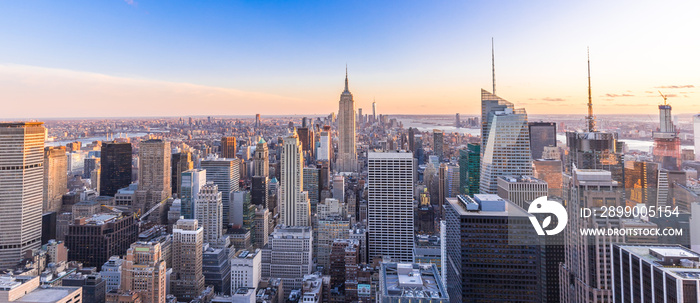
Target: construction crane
[{"x": 662, "y": 96}]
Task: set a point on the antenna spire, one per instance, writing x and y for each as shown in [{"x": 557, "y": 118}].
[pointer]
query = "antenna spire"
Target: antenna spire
[
  {"x": 346, "y": 77},
  {"x": 493, "y": 67},
  {"x": 590, "y": 119}
]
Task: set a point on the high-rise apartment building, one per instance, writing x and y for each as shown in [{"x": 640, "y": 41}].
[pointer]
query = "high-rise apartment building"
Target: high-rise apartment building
[
  {"x": 294, "y": 202},
  {"x": 225, "y": 174},
  {"x": 115, "y": 167},
  {"x": 21, "y": 184},
  {"x": 487, "y": 266},
  {"x": 346, "y": 160},
  {"x": 261, "y": 160},
  {"x": 507, "y": 148},
  {"x": 55, "y": 178},
  {"x": 288, "y": 256},
  {"x": 187, "y": 280},
  {"x": 209, "y": 212},
  {"x": 390, "y": 205},
  {"x": 144, "y": 272},
  {"x": 179, "y": 162},
  {"x": 667, "y": 143},
  {"x": 192, "y": 182},
  {"x": 154, "y": 173},
  {"x": 228, "y": 147},
  {"x": 655, "y": 273}
]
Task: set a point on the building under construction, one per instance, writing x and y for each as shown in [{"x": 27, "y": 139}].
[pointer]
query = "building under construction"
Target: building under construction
[{"x": 667, "y": 144}]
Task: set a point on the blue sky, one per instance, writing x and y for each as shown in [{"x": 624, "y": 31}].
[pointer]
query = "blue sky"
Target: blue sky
[{"x": 413, "y": 56}]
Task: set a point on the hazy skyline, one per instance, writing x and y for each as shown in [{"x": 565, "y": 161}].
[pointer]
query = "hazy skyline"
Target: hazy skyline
[{"x": 143, "y": 58}]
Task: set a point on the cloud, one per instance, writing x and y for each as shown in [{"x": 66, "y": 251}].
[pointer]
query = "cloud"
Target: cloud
[
  {"x": 131, "y": 2},
  {"x": 676, "y": 86},
  {"x": 548, "y": 99},
  {"x": 617, "y": 95}
]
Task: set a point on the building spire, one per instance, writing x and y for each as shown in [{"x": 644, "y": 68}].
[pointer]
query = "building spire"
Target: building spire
[
  {"x": 590, "y": 119},
  {"x": 493, "y": 67},
  {"x": 346, "y": 78}
]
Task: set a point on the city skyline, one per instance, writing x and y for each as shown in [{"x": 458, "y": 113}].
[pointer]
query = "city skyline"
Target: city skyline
[{"x": 235, "y": 58}]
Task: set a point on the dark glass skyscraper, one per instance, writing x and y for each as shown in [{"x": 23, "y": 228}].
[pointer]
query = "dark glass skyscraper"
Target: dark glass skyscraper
[
  {"x": 541, "y": 134},
  {"x": 469, "y": 169},
  {"x": 116, "y": 167}
]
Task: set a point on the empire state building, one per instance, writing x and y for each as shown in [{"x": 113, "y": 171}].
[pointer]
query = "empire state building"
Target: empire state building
[{"x": 347, "y": 153}]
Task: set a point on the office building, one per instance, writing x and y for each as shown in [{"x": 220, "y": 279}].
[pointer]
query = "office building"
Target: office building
[
  {"x": 228, "y": 147},
  {"x": 261, "y": 160},
  {"x": 55, "y": 178},
  {"x": 209, "y": 212},
  {"x": 295, "y": 207},
  {"x": 216, "y": 268},
  {"x": 187, "y": 280},
  {"x": 154, "y": 174},
  {"x": 112, "y": 273},
  {"x": 478, "y": 267},
  {"x": 21, "y": 195},
  {"x": 192, "y": 182},
  {"x": 246, "y": 269},
  {"x": 330, "y": 228},
  {"x": 144, "y": 273},
  {"x": 262, "y": 226},
  {"x": 344, "y": 261},
  {"x": 421, "y": 283},
  {"x": 288, "y": 255},
  {"x": 260, "y": 190},
  {"x": 594, "y": 150},
  {"x": 307, "y": 139},
  {"x": 93, "y": 240},
  {"x": 224, "y": 172},
  {"x": 27, "y": 289},
  {"x": 323, "y": 152},
  {"x": 521, "y": 190},
  {"x": 346, "y": 160},
  {"x": 507, "y": 149},
  {"x": 92, "y": 284},
  {"x": 586, "y": 274},
  {"x": 542, "y": 134},
  {"x": 390, "y": 205},
  {"x": 339, "y": 188},
  {"x": 115, "y": 167},
  {"x": 470, "y": 169},
  {"x": 550, "y": 171},
  {"x": 438, "y": 143},
  {"x": 312, "y": 186},
  {"x": 179, "y": 163},
  {"x": 655, "y": 273}
]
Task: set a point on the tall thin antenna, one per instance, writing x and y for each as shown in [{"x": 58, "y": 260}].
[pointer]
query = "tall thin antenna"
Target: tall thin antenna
[
  {"x": 493, "y": 67},
  {"x": 590, "y": 119}
]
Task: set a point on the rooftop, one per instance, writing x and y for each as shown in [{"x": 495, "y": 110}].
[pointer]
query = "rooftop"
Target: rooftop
[
  {"x": 677, "y": 260},
  {"x": 48, "y": 295},
  {"x": 412, "y": 280},
  {"x": 486, "y": 205}
]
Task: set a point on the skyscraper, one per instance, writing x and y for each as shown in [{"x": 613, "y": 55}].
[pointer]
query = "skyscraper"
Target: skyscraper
[
  {"x": 295, "y": 208},
  {"x": 507, "y": 148},
  {"x": 154, "y": 173},
  {"x": 228, "y": 147},
  {"x": 390, "y": 205},
  {"x": 347, "y": 153},
  {"x": 21, "y": 181},
  {"x": 288, "y": 256},
  {"x": 438, "y": 143},
  {"x": 261, "y": 160},
  {"x": 55, "y": 178},
  {"x": 116, "y": 167},
  {"x": 209, "y": 212},
  {"x": 490, "y": 104},
  {"x": 224, "y": 173},
  {"x": 179, "y": 162},
  {"x": 541, "y": 134},
  {"x": 470, "y": 168},
  {"x": 487, "y": 266},
  {"x": 192, "y": 182},
  {"x": 144, "y": 272},
  {"x": 667, "y": 144},
  {"x": 323, "y": 152},
  {"x": 187, "y": 280}
]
